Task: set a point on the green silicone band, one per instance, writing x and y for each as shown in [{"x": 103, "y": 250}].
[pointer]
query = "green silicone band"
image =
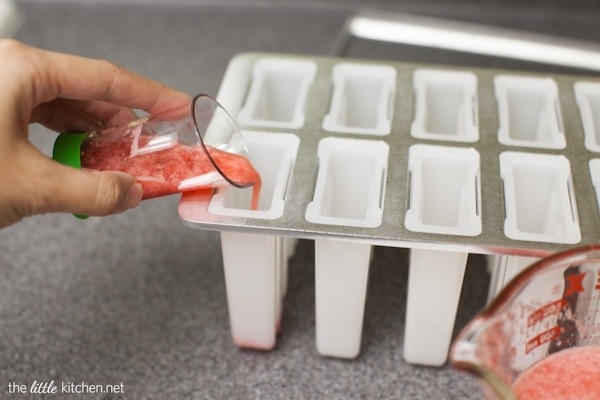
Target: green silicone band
[{"x": 67, "y": 151}]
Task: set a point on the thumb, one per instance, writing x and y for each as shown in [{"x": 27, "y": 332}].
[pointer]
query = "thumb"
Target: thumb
[
  {"x": 31, "y": 183},
  {"x": 89, "y": 192}
]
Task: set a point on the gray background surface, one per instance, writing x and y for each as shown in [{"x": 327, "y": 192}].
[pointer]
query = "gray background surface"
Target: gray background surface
[{"x": 139, "y": 298}]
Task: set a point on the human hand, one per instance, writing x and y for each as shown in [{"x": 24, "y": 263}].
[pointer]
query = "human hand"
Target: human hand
[{"x": 67, "y": 93}]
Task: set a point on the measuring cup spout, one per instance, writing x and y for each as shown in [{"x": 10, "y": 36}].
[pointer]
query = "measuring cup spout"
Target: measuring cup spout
[{"x": 540, "y": 337}]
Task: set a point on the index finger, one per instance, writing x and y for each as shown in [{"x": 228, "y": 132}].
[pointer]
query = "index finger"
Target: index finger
[{"x": 46, "y": 75}]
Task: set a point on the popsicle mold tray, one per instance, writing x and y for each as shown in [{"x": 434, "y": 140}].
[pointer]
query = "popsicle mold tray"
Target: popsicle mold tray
[
  {"x": 417, "y": 156},
  {"x": 441, "y": 160}
]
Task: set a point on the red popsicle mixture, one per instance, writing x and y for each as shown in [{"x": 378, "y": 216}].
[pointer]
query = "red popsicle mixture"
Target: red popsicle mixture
[
  {"x": 161, "y": 172},
  {"x": 572, "y": 374}
]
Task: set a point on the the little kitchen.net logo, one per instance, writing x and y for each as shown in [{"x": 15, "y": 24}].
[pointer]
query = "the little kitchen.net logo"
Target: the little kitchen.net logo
[{"x": 52, "y": 387}]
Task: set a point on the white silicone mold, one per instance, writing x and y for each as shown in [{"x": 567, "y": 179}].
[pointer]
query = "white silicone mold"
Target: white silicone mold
[
  {"x": 273, "y": 156},
  {"x": 350, "y": 183},
  {"x": 444, "y": 199},
  {"x": 278, "y": 92},
  {"x": 539, "y": 200},
  {"x": 434, "y": 284},
  {"x": 341, "y": 276},
  {"x": 444, "y": 190},
  {"x": 255, "y": 265},
  {"x": 362, "y": 100},
  {"x": 255, "y": 268},
  {"x": 587, "y": 95},
  {"x": 349, "y": 191},
  {"x": 445, "y": 105},
  {"x": 595, "y": 173},
  {"x": 451, "y": 152},
  {"x": 529, "y": 112}
]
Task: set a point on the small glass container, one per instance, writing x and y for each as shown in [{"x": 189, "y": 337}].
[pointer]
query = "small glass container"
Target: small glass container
[{"x": 204, "y": 149}]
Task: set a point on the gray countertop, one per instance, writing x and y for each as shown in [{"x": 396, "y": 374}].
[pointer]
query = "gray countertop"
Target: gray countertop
[{"x": 139, "y": 298}]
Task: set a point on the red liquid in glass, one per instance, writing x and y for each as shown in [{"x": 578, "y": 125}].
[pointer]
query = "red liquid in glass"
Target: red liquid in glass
[
  {"x": 161, "y": 172},
  {"x": 566, "y": 375}
]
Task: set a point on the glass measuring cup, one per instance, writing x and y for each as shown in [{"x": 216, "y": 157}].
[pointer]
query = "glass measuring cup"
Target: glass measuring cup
[
  {"x": 540, "y": 334},
  {"x": 202, "y": 149}
]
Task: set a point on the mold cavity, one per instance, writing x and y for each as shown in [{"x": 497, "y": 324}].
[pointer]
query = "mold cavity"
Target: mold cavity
[
  {"x": 446, "y": 106},
  {"x": 278, "y": 93},
  {"x": 529, "y": 112},
  {"x": 587, "y": 95},
  {"x": 539, "y": 200},
  {"x": 595, "y": 172},
  {"x": 444, "y": 190},
  {"x": 350, "y": 183},
  {"x": 273, "y": 155},
  {"x": 362, "y": 100}
]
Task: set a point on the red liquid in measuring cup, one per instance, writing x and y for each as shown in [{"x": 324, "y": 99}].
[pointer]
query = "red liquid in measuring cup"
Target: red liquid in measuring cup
[
  {"x": 161, "y": 172},
  {"x": 572, "y": 374}
]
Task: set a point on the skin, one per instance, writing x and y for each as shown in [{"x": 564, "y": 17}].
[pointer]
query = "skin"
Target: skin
[{"x": 68, "y": 93}]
